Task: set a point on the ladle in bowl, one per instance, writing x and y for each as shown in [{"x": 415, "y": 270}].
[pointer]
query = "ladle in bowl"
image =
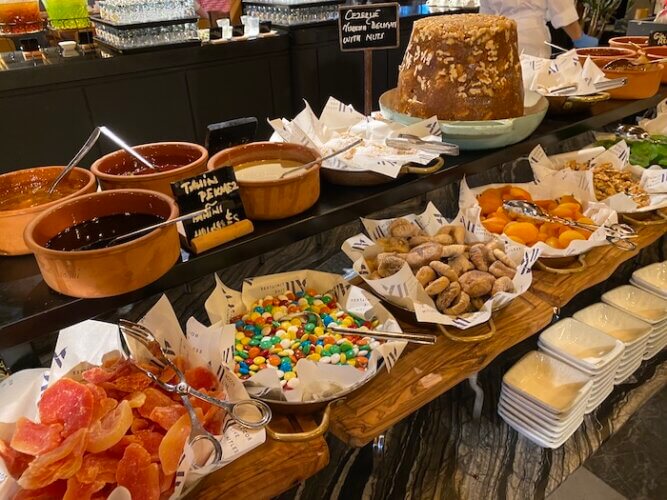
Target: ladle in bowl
[{"x": 88, "y": 145}]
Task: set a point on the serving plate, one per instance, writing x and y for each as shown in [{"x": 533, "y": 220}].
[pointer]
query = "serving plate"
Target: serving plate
[{"x": 476, "y": 135}]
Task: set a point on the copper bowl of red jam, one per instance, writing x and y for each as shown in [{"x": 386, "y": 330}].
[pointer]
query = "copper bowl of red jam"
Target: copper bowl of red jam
[
  {"x": 173, "y": 162},
  {"x": 57, "y": 235},
  {"x": 25, "y": 193}
]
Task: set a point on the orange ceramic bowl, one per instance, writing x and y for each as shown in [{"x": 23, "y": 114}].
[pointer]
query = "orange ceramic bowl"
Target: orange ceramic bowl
[
  {"x": 105, "y": 272},
  {"x": 629, "y": 42},
  {"x": 604, "y": 55},
  {"x": 276, "y": 198},
  {"x": 114, "y": 170},
  {"x": 654, "y": 53},
  {"x": 16, "y": 214},
  {"x": 641, "y": 84}
]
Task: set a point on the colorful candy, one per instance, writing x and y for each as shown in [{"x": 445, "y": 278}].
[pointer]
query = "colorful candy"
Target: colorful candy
[{"x": 278, "y": 331}]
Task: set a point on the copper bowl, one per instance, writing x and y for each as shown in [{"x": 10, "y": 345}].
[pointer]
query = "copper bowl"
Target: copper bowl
[
  {"x": 604, "y": 55},
  {"x": 112, "y": 169},
  {"x": 658, "y": 52},
  {"x": 276, "y": 198},
  {"x": 13, "y": 222},
  {"x": 629, "y": 42},
  {"x": 105, "y": 272},
  {"x": 641, "y": 84}
]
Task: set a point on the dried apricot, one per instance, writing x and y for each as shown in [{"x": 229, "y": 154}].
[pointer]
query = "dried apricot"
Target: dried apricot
[
  {"x": 526, "y": 231},
  {"x": 516, "y": 193},
  {"x": 490, "y": 200},
  {"x": 547, "y": 205},
  {"x": 554, "y": 242},
  {"x": 569, "y": 236},
  {"x": 494, "y": 225}
]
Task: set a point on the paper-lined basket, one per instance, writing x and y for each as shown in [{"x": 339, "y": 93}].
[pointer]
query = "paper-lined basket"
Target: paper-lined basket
[
  {"x": 554, "y": 170},
  {"x": 403, "y": 290},
  {"x": 470, "y": 212},
  {"x": 340, "y": 124},
  {"x": 318, "y": 382},
  {"x": 89, "y": 343}
]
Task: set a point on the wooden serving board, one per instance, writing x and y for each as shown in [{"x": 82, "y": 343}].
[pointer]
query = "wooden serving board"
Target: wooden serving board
[
  {"x": 270, "y": 469},
  {"x": 423, "y": 373},
  {"x": 559, "y": 289}
]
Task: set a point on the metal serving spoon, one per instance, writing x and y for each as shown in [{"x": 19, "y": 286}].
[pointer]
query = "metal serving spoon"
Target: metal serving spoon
[
  {"x": 617, "y": 234},
  {"x": 110, "y": 241},
  {"x": 321, "y": 159},
  {"x": 633, "y": 133},
  {"x": 139, "y": 344},
  {"x": 88, "y": 145}
]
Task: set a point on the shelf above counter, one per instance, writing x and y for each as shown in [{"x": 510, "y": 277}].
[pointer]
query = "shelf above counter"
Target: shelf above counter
[{"x": 29, "y": 309}]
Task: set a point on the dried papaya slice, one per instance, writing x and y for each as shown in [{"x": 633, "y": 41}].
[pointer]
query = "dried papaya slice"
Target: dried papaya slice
[
  {"x": 154, "y": 398},
  {"x": 60, "y": 463},
  {"x": 166, "y": 482},
  {"x": 81, "y": 491},
  {"x": 151, "y": 441},
  {"x": 136, "y": 399},
  {"x": 171, "y": 447},
  {"x": 15, "y": 461},
  {"x": 201, "y": 378},
  {"x": 129, "y": 383},
  {"x": 137, "y": 473},
  {"x": 139, "y": 424},
  {"x": 35, "y": 439},
  {"x": 98, "y": 467},
  {"x": 108, "y": 431},
  {"x": 166, "y": 416},
  {"x": 119, "y": 448},
  {"x": 108, "y": 371},
  {"x": 69, "y": 403},
  {"x": 50, "y": 492}
]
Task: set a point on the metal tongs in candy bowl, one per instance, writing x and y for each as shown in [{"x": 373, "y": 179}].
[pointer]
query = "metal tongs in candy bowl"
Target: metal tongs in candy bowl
[
  {"x": 618, "y": 235},
  {"x": 140, "y": 345}
]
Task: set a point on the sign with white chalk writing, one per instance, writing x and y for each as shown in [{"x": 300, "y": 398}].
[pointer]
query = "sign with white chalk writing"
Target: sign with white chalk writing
[
  {"x": 216, "y": 190},
  {"x": 657, "y": 38},
  {"x": 374, "y": 26}
]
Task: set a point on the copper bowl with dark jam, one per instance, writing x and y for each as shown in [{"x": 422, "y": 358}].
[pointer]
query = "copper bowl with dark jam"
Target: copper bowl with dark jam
[
  {"x": 173, "y": 162},
  {"x": 25, "y": 193},
  {"x": 65, "y": 241}
]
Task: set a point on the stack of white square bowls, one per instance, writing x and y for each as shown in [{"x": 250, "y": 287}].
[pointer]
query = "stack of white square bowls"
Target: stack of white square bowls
[
  {"x": 589, "y": 350},
  {"x": 653, "y": 279},
  {"x": 544, "y": 399},
  {"x": 633, "y": 332}
]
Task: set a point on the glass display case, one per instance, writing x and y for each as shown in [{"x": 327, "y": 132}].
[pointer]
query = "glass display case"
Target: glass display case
[{"x": 292, "y": 12}]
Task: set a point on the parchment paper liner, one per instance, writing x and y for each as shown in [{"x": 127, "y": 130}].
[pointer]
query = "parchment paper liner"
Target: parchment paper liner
[{"x": 403, "y": 290}]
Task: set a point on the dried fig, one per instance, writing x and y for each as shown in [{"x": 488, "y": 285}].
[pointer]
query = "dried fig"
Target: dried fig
[
  {"x": 502, "y": 257},
  {"x": 423, "y": 254},
  {"x": 437, "y": 286},
  {"x": 461, "y": 265},
  {"x": 403, "y": 228},
  {"x": 459, "y": 234},
  {"x": 425, "y": 275},
  {"x": 393, "y": 244},
  {"x": 478, "y": 258},
  {"x": 498, "y": 269},
  {"x": 418, "y": 240},
  {"x": 444, "y": 270},
  {"x": 478, "y": 302},
  {"x": 454, "y": 250},
  {"x": 448, "y": 296},
  {"x": 443, "y": 239},
  {"x": 389, "y": 265},
  {"x": 476, "y": 283},
  {"x": 502, "y": 284},
  {"x": 460, "y": 306}
]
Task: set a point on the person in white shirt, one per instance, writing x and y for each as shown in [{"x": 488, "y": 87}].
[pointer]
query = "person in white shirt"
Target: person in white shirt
[{"x": 531, "y": 17}]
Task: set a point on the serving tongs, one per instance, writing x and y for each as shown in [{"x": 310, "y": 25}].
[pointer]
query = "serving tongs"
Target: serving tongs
[
  {"x": 414, "y": 338},
  {"x": 139, "y": 345},
  {"x": 88, "y": 145},
  {"x": 616, "y": 234},
  {"x": 411, "y": 141}
]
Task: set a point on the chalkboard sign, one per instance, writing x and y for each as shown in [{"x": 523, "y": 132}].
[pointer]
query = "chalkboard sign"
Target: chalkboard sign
[
  {"x": 217, "y": 190},
  {"x": 657, "y": 38},
  {"x": 362, "y": 27}
]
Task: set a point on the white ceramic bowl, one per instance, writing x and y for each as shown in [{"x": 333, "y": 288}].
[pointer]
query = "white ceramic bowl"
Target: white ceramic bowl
[
  {"x": 547, "y": 382},
  {"x": 535, "y": 438},
  {"x": 538, "y": 428},
  {"x": 639, "y": 303},
  {"x": 550, "y": 420},
  {"x": 653, "y": 276},
  {"x": 618, "y": 324},
  {"x": 595, "y": 374},
  {"x": 582, "y": 343}
]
